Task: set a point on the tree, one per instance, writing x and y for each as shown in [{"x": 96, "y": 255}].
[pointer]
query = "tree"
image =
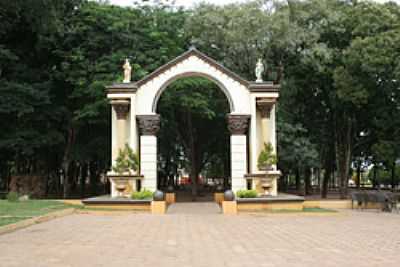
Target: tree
[{"x": 193, "y": 110}]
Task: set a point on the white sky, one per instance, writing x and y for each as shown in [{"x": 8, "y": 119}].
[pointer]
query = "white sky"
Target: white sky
[{"x": 189, "y": 3}]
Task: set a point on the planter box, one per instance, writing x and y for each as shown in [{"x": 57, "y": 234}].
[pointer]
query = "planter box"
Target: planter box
[
  {"x": 219, "y": 197},
  {"x": 280, "y": 202},
  {"x": 170, "y": 198},
  {"x": 107, "y": 202},
  {"x": 158, "y": 207},
  {"x": 229, "y": 207}
]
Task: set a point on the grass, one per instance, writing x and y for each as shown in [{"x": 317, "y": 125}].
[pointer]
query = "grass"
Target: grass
[{"x": 12, "y": 212}]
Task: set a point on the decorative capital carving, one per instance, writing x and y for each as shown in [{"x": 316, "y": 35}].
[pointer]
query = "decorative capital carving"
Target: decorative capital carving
[
  {"x": 148, "y": 124},
  {"x": 121, "y": 107},
  {"x": 238, "y": 124},
  {"x": 265, "y": 106}
]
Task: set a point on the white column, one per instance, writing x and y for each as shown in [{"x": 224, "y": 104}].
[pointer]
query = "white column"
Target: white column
[
  {"x": 267, "y": 111},
  {"x": 238, "y": 126},
  {"x": 148, "y": 161},
  {"x": 238, "y": 161},
  {"x": 148, "y": 126},
  {"x": 121, "y": 108}
]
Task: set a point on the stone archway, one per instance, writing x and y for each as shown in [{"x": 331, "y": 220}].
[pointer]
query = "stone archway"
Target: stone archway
[{"x": 251, "y": 120}]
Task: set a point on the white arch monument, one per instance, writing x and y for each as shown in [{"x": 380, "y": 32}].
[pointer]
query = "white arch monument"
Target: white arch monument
[{"x": 251, "y": 120}]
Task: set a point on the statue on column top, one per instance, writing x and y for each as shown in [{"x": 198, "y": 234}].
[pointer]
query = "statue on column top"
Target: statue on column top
[
  {"x": 259, "y": 71},
  {"x": 127, "y": 71}
]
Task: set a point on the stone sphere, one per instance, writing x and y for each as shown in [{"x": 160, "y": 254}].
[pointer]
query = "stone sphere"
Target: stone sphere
[
  {"x": 229, "y": 195},
  {"x": 219, "y": 188},
  {"x": 170, "y": 189},
  {"x": 158, "y": 195}
]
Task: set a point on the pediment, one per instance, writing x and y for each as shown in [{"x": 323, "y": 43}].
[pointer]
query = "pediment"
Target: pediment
[{"x": 200, "y": 56}]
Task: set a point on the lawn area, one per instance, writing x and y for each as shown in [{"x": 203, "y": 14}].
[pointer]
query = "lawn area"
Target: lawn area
[{"x": 11, "y": 212}]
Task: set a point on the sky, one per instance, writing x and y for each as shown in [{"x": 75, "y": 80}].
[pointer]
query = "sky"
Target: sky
[{"x": 189, "y": 3}]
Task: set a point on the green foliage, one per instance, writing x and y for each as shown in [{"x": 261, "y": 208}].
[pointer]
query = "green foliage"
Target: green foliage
[
  {"x": 193, "y": 133},
  {"x": 383, "y": 176},
  {"x": 339, "y": 61},
  {"x": 144, "y": 194},
  {"x": 126, "y": 162},
  {"x": 12, "y": 197},
  {"x": 266, "y": 158},
  {"x": 247, "y": 194}
]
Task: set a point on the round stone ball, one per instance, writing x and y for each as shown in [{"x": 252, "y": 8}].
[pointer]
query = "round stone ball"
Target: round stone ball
[
  {"x": 158, "y": 195},
  {"x": 219, "y": 188},
  {"x": 170, "y": 189},
  {"x": 229, "y": 195}
]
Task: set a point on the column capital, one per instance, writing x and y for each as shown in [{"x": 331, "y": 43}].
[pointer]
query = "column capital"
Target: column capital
[
  {"x": 238, "y": 124},
  {"x": 121, "y": 107},
  {"x": 148, "y": 124},
  {"x": 265, "y": 105}
]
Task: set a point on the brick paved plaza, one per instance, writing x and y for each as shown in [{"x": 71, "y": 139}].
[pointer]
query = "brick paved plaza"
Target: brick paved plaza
[{"x": 187, "y": 238}]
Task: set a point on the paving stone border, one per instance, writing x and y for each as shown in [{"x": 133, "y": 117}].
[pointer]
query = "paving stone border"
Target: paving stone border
[{"x": 39, "y": 219}]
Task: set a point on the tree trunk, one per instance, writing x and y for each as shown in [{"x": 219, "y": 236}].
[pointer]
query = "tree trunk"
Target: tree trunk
[
  {"x": 298, "y": 181},
  {"x": 307, "y": 181},
  {"x": 325, "y": 183},
  {"x": 358, "y": 174},
  {"x": 393, "y": 176},
  {"x": 84, "y": 173},
  {"x": 343, "y": 152},
  {"x": 93, "y": 177},
  {"x": 328, "y": 168},
  {"x": 375, "y": 182},
  {"x": 194, "y": 173},
  {"x": 66, "y": 160}
]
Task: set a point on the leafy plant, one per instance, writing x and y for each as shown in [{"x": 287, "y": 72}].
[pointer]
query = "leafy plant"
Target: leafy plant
[
  {"x": 127, "y": 161},
  {"x": 12, "y": 197},
  {"x": 144, "y": 194},
  {"x": 247, "y": 193},
  {"x": 266, "y": 158}
]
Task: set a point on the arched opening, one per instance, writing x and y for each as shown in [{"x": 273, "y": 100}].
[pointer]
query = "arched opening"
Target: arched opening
[
  {"x": 193, "y": 141},
  {"x": 211, "y": 80}
]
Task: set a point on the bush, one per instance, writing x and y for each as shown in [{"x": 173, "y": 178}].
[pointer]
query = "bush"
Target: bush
[
  {"x": 246, "y": 193},
  {"x": 144, "y": 194},
  {"x": 126, "y": 162},
  {"x": 12, "y": 196},
  {"x": 267, "y": 158}
]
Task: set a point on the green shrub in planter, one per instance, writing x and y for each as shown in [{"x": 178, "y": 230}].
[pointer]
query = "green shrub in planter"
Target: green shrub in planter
[
  {"x": 246, "y": 194},
  {"x": 267, "y": 158},
  {"x": 12, "y": 196},
  {"x": 126, "y": 162},
  {"x": 144, "y": 194}
]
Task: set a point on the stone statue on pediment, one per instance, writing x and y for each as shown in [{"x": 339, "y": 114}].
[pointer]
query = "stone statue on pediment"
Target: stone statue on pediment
[
  {"x": 259, "y": 70},
  {"x": 127, "y": 71}
]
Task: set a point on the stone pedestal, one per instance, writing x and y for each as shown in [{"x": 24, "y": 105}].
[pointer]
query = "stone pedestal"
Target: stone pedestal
[
  {"x": 170, "y": 198},
  {"x": 123, "y": 185},
  {"x": 158, "y": 207},
  {"x": 229, "y": 207},
  {"x": 218, "y": 197},
  {"x": 265, "y": 183}
]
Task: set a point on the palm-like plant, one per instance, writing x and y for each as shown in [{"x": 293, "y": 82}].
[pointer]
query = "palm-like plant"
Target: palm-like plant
[
  {"x": 126, "y": 162},
  {"x": 267, "y": 158}
]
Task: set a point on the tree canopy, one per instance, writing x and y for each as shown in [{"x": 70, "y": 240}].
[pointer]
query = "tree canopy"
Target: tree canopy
[{"x": 338, "y": 62}]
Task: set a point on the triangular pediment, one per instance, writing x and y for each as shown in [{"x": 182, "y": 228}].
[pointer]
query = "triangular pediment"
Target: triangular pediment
[{"x": 201, "y": 56}]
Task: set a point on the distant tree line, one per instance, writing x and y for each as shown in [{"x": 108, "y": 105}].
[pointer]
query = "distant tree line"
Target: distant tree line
[{"x": 338, "y": 62}]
